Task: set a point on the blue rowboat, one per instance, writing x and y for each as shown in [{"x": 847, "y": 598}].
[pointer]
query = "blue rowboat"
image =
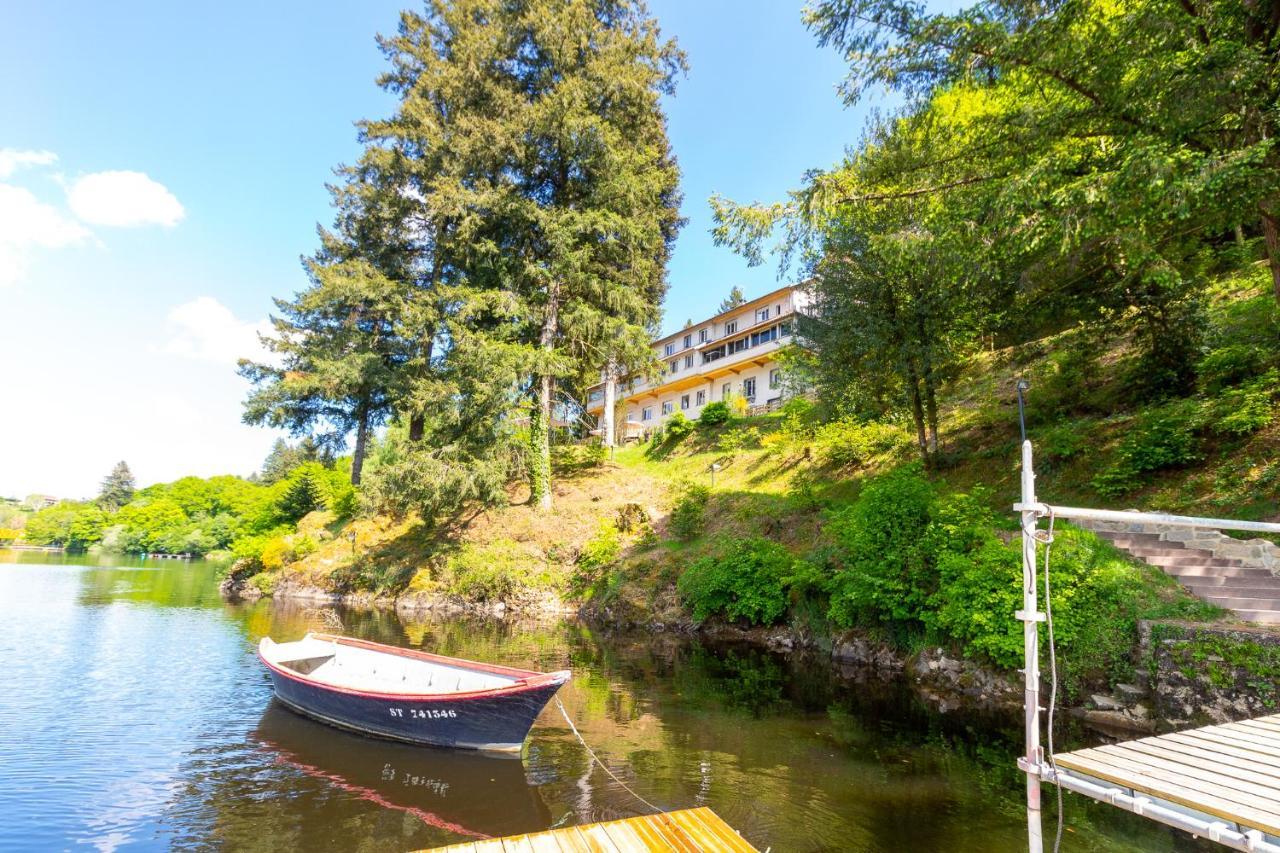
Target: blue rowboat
[{"x": 408, "y": 695}]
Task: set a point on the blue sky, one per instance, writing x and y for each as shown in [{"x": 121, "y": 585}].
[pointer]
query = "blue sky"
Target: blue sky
[{"x": 162, "y": 168}]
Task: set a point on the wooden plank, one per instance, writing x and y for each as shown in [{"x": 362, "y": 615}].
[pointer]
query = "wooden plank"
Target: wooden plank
[
  {"x": 1210, "y": 788},
  {"x": 544, "y": 842},
  {"x": 1228, "y": 765},
  {"x": 1227, "y": 777},
  {"x": 1233, "y": 753},
  {"x": 687, "y": 831},
  {"x": 654, "y": 835},
  {"x": 597, "y": 835},
  {"x": 726, "y": 837},
  {"x": 1271, "y": 731},
  {"x": 517, "y": 844},
  {"x": 1243, "y": 738},
  {"x": 1211, "y": 739},
  {"x": 1181, "y": 794},
  {"x": 624, "y": 836},
  {"x": 571, "y": 841}
]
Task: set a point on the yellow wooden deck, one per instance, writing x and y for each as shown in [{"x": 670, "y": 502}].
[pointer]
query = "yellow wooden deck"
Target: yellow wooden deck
[
  {"x": 1230, "y": 771},
  {"x": 684, "y": 831}
]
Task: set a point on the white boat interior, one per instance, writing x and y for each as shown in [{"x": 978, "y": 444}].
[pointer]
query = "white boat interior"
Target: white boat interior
[{"x": 340, "y": 665}]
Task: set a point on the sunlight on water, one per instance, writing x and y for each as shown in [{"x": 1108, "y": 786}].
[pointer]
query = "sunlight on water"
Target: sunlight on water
[{"x": 136, "y": 716}]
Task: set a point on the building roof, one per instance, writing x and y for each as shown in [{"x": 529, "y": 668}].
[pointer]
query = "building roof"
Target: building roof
[{"x": 750, "y": 303}]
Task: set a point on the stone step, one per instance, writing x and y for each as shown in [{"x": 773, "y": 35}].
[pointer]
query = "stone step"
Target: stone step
[
  {"x": 1215, "y": 572},
  {"x": 1240, "y": 604},
  {"x": 1216, "y": 582},
  {"x": 1269, "y": 617},
  {"x": 1143, "y": 544},
  {"x": 1190, "y": 559},
  {"x": 1270, "y": 591}
]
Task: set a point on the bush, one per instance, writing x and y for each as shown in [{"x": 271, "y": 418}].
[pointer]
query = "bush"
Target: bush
[
  {"x": 597, "y": 556},
  {"x": 885, "y": 577},
  {"x": 1228, "y": 365},
  {"x": 678, "y": 426},
  {"x": 1162, "y": 438},
  {"x": 844, "y": 443},
  {"x": 688, "y": 513},
  {"x": 745, "y": 582},
  {"x": 594, "y": 453},
  {"x": 1247, "y": 409},
  {"x": 498, "y": 571},
  {"x": 714, "y": 414}
]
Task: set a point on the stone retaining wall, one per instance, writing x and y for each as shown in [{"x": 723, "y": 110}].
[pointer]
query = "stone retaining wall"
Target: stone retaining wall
[{"x": 1200, "y": 674}]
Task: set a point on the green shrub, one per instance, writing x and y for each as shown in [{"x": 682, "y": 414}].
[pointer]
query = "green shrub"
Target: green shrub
[
  {"x": 744, "y": 582},
  {"x": 714, "y": 414},
  {"x": 1162, "y": 438},
  {"x": 677, "y": 427},
  {"x": 845, "y": 443},
  {"x": 1228, "y": 365},
  {"x": 885, "y": 577},
  {"x": 595, "y": 453},
  {"x": 496, "y": 571},
  {"x": 688, "y": 514},
  {"x": 731, "y": 441},
  {"x": 600, "y": 553},
  {"x": 1249, "y": 408}
]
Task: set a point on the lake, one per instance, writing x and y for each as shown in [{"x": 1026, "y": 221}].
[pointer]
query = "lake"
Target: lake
[{"x": 135, "y": 716}]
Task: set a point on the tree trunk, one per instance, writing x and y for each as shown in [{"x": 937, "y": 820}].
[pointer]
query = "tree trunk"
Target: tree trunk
[
  {"x": 362, "y": 439},
  {"x": 1271, "y": 233},
  {"x": 609, "y": 415},
  {"x": 418, "y": 421},
  {"x": 917, "y": 415},
  {"x": 540, "y": 422}
]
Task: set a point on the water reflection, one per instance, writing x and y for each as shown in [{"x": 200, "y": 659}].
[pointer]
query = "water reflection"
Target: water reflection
[
  {"x": 144, "y": 721},
  {"x": 451, "y": 790}
]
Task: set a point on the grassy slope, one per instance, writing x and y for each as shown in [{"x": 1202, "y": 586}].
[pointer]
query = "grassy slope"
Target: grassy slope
[{"x": 779, "y": 489}]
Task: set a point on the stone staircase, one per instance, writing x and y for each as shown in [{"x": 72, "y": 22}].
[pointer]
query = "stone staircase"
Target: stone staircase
[{"x": 1243, "y": 584}]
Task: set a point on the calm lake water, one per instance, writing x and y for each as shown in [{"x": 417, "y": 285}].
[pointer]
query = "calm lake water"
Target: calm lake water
[{"x": 135, "y": 716}]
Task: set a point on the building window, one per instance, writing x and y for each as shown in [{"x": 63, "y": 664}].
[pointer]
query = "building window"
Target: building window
[
  {"x": 702, "y": 336},
  {"x": 726, "y": 391},
  {"x": 784, "y": 331},
  {"x": 675, "y": 365},
  {"x": 749, "y": 389},
  {"x": 670, "y": 349},
  {"x": 688, "y": 341},
  {"x": 775, "y": 379},
  {"x": 646, "y": 414},
  {"x": 762, "y": 315},
  {"x": 684, "y": 401},
  {"x": 702, "y": 397},
  {"x": 666, "y": 408},
  {"x": 730, "y": 328},
  {"x": 688, "y": 361}
]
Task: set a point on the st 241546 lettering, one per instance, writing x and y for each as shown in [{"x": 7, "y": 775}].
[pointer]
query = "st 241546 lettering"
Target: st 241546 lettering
[{"x": 424, "y": 713}]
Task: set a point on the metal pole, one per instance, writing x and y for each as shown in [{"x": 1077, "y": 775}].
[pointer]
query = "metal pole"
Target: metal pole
[{"x": 1031, "y": 617}]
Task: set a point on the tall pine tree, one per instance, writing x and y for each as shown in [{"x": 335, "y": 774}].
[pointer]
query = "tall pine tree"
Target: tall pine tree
[{"x": 117, "y": 487}]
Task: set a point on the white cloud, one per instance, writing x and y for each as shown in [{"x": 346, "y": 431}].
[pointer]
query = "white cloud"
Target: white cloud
[
  {"x": 27, "y": 223},
  {"x": 12, "y": 159},
  {"x": 205, "y": 330},
  {"x": 123, "y": 199}
]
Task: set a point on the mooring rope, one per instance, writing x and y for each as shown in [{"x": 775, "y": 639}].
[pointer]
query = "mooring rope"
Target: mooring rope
[{"x": 597, "y": 760}]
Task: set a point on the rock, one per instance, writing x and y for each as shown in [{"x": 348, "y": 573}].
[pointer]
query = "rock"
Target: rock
[
  {"x": 1106, "y": 703},
  {"x": 1129, "y": 693}
]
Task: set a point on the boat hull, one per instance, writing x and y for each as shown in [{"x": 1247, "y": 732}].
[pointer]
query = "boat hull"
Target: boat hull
[{"x": 496, "y": 722}]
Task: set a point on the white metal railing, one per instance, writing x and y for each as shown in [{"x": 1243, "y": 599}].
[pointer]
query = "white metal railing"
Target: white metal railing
[{"x": 1075, "y": 512}]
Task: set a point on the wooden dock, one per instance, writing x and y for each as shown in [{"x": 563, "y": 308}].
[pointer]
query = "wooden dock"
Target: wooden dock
[
  {"x": 1230, "y": 772},
  {"x": 684, "y": 831}
]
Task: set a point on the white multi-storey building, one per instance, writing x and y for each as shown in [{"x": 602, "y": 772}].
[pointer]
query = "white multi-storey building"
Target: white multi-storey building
[{"x": 733, "y": 354}]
